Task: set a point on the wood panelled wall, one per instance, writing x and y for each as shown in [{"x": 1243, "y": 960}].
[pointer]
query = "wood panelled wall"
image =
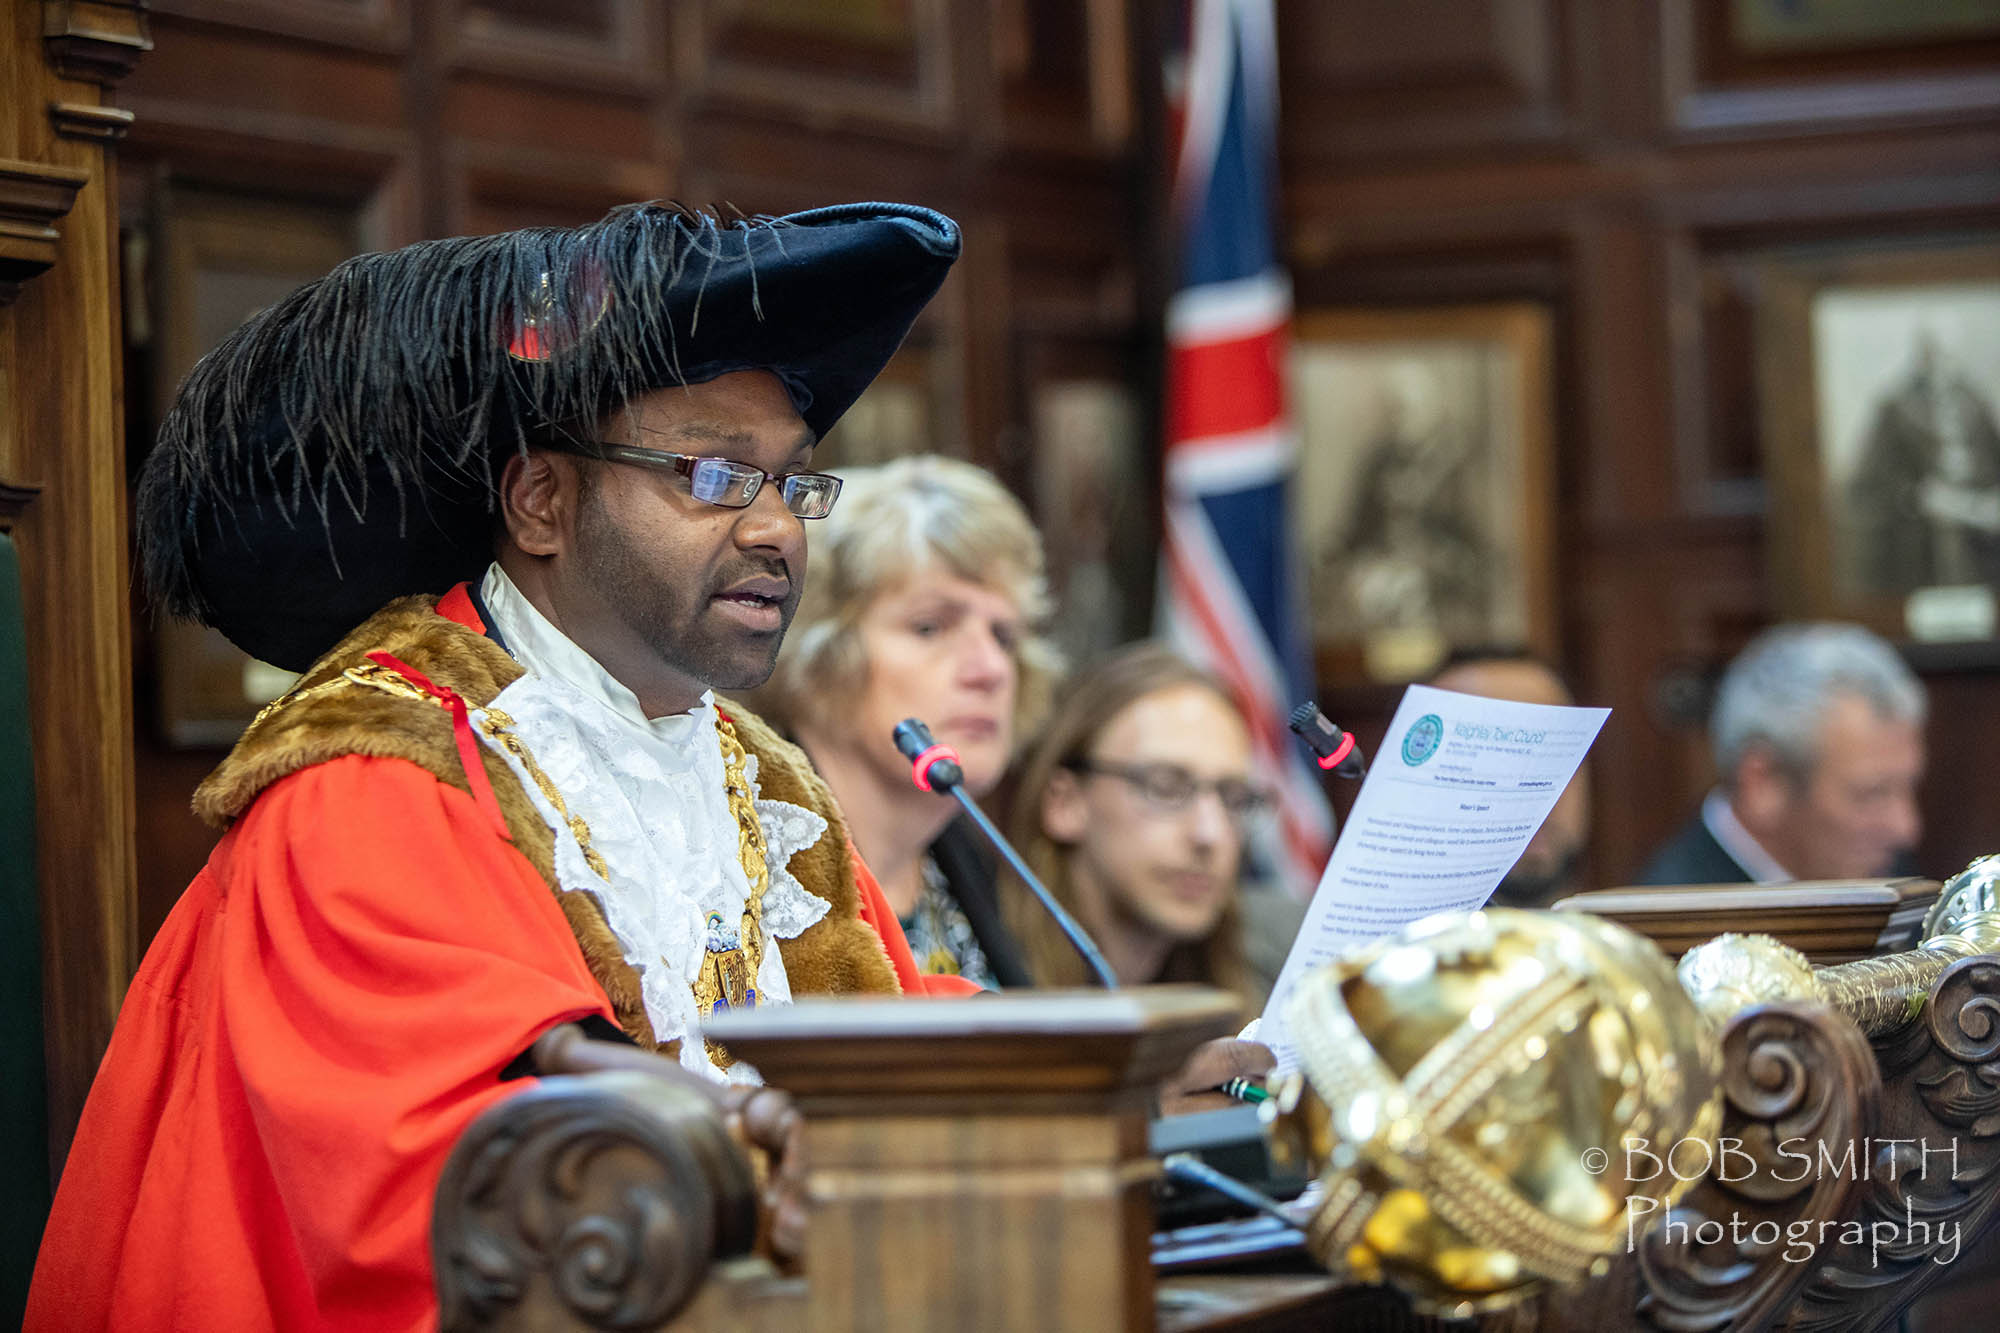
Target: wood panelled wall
[
  {"x": 402, "y": 119},
  {"x": 62, "y": 494},
  {"x": 445, "y": 117},
  {"x": 1619, "y": 163},
  {"x": 1616, "y": 163}
]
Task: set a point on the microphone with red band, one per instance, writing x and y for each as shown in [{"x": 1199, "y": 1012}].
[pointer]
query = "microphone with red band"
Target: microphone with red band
[
  {"x": 935, "y": 767},
  {"x": 1333, "y": 750}
]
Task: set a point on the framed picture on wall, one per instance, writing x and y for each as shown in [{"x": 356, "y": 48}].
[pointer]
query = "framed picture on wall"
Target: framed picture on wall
[
  {"x": 217, "y": 259},
  {"x": 1879, "y": 389},
  {"x": 1796, "y": 25},
  {"x": 1091, "y": 507},
  {"x": 1425, "y": 487},
  {"x": 1078, "y": 453}
]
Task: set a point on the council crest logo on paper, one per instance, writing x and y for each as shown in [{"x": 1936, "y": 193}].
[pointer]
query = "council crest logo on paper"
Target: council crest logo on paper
[{"x": 1420, "y": 742}]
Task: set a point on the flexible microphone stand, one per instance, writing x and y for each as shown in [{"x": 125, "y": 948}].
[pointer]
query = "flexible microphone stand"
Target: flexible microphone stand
[{"x": 935, "y": 767}]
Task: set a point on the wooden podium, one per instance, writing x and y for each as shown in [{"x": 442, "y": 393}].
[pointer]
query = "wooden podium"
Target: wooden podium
[
  {"x": 972, "y": 1163},
  {"x": 979, "y": 1164},
  {"x": 983, "y": 1164}
]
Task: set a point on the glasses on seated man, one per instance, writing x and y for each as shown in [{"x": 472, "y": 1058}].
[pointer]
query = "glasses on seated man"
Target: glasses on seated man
[{"x": 1172, "y": 789}]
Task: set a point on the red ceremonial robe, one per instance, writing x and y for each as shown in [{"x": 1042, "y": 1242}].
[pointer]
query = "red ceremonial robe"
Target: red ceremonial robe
[{"x": 321, "y": 1017}]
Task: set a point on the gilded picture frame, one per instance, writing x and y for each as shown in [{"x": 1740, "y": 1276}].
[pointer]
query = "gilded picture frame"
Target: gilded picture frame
[
  {"x": 1424, "y": 499},
  {"x": 1878, "y": 375}
]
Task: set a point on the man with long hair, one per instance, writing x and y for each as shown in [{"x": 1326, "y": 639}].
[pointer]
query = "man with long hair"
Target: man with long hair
[{"x": 1132, "y": 809}]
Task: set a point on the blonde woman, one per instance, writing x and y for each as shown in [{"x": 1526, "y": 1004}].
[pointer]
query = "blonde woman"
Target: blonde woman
[{"x": 924, "y": 598}]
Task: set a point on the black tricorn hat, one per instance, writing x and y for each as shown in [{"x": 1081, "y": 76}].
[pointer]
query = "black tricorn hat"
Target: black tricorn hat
[{"x": 339, "y": 450}]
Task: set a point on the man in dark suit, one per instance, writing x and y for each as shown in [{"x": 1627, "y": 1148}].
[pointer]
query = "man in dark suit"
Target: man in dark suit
[{"x": 1818, "y": 738}]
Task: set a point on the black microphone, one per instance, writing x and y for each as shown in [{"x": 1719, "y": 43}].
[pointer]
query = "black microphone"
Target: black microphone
[
  {"x": 934, "y": 767},
  {"x": 1333, "y": 750}
]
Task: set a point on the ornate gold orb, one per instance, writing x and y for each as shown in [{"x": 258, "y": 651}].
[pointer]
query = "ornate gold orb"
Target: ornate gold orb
[{"x": 1473, "y": 1081}]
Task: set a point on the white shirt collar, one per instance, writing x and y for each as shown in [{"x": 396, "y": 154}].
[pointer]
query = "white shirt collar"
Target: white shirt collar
[
  {"x": 649, "y": 793},
  {"x": 1743, "y": 849},
  {"x": 547, "y": 651}
]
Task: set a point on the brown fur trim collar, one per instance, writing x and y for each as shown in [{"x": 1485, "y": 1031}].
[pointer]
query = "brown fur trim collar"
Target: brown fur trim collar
[{"x": 321, "y": 718}]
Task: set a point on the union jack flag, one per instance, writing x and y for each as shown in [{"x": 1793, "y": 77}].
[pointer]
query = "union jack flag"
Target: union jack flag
[{"x": 1228, "y": 592}]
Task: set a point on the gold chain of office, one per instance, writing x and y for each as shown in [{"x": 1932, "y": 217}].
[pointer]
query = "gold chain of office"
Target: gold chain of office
[{"x": 727, "y": 976}]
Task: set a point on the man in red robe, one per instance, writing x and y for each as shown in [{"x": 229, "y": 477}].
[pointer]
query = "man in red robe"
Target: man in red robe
[
  {"x": 480, "y": 815},
  {"x": 517, "y": 507}
]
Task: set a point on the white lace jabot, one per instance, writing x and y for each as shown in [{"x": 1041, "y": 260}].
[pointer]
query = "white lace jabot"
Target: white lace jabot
[{"x": 650, "y": 792}]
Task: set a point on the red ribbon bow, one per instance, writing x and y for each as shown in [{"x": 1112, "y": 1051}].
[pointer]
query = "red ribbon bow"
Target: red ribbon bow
[{"x": 461, "y": 727}]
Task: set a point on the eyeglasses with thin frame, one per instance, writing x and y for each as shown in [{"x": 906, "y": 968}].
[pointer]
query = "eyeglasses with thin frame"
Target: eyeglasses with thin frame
[
  {"x": 733, "y": 485},
  {"x": 1170, "y": 789}
]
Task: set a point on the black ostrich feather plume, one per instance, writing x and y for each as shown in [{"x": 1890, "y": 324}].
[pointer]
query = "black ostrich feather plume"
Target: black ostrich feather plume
[{"x": 339, "y": 448}]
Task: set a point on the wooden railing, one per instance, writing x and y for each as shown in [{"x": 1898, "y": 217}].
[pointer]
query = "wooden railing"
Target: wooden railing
[{"x": 984, "y": 1166}]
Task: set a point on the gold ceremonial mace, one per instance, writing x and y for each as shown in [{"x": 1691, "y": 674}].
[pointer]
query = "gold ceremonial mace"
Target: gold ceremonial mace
[{"x": 1732, "y": 972}]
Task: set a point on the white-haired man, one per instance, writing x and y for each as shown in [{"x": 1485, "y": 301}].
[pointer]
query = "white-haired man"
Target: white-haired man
[{"x": 1818, "y": 734}]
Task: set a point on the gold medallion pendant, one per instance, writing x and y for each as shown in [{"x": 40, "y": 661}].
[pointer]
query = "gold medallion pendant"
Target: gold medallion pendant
[{"x": 728, "y": 980}]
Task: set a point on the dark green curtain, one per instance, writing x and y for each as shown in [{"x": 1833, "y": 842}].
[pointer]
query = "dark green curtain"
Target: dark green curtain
[{"x": 24, "y": 1131}]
